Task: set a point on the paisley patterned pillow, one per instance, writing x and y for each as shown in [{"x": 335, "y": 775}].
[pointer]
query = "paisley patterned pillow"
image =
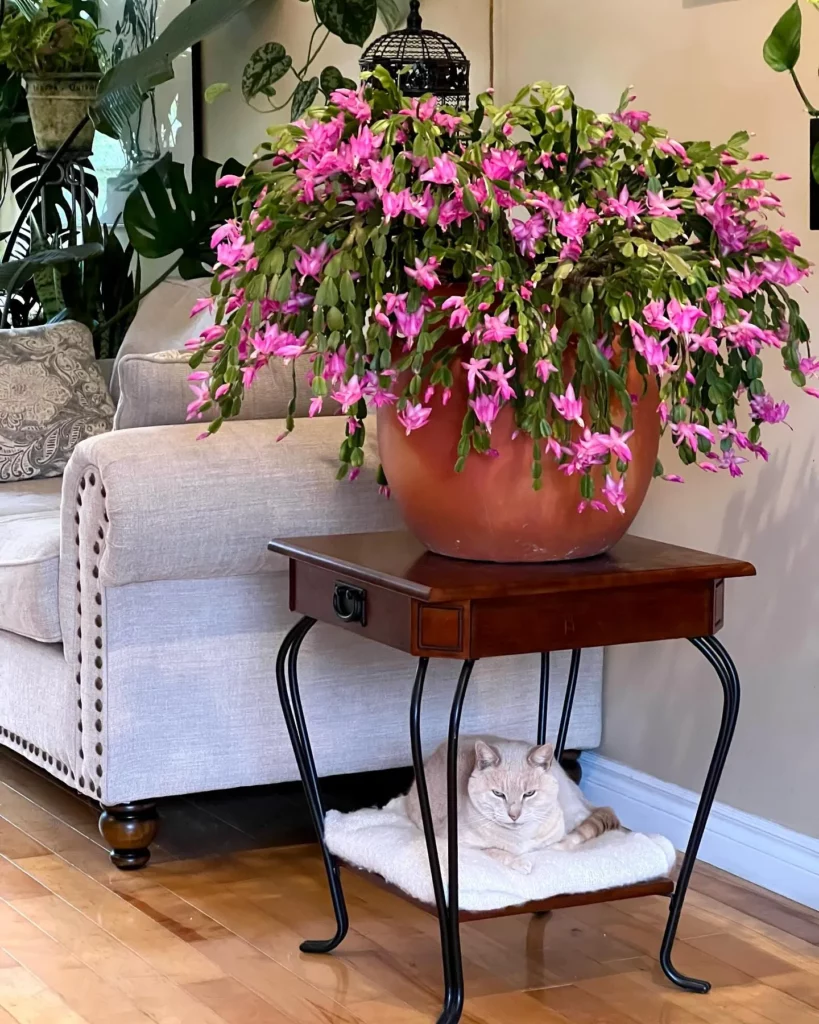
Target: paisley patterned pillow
[{"x": 52, "y": 395}]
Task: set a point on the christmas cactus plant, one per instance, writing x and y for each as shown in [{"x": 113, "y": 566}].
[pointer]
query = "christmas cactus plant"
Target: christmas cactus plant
[{"x": 564, "y": 247}]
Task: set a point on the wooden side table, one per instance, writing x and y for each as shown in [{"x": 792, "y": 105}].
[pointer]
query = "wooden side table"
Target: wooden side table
[{"x": 388, "y": 588}]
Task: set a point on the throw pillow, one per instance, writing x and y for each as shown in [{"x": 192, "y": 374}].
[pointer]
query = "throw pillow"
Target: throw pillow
[
  {"x": 154, "y": 391},
  {"x": 52, "y": 395}
]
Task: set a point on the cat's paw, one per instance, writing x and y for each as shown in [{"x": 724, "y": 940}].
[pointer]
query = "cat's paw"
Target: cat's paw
[{"x": 523, "y": 865}]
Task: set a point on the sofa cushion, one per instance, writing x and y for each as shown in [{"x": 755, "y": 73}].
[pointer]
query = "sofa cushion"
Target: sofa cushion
[
  {"x": 30, "y": 558},
  {"x": 52, "y": 396},
  {"x": 154, "y": 391}
]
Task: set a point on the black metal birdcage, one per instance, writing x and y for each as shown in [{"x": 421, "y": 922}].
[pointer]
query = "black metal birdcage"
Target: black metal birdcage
[{"x": 422, "y": 61}]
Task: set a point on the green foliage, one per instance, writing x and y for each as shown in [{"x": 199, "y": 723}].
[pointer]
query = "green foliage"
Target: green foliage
[
  {"x": 57, "y": 38},
  {"x": 17, "y": 272},
  {"x": 166, "y": 215},
  {"x": 303, "y": 97},
  {"x": 781, "y": 49},
  {"x": 350, "y": 20},
  {"x": 266, "y": 66}
]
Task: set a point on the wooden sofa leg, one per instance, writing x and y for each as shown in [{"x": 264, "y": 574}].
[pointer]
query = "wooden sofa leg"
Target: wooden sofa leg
[
  {"x": 129, "y": 830},
  {"x": 571, "y": 765}
]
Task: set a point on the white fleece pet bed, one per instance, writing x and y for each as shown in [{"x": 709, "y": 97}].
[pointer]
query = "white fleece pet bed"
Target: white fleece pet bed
[{"x": 387, "y": 843}]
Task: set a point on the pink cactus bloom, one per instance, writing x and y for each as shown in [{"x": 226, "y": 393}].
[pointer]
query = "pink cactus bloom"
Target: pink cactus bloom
[
  {"x": 684, "y": 318},
  {"x": 449, "y": 122},
  {"x": 505, "y": 391},
  {"x": 486, "y": 408},
  {"x": 654, "y": 315},
  {"x": 527, "y": 233},
  {"x": 503, "y": 164},
  {"x": 423, "y": 111},
  {"x": 689, "y": 432},
  {"x": 650, "y": 348},
  {"x": 625, "y": 207},
  {"x": 229, "y": 181},
  {"x": 615, "y": 493},
  {"x": 672, "y": 148},
  {"x": 230, "y": 232},
  {"x": 575, "y": 224},
  {"x": 410, "y": 325},
  {"x": 634, "y": 119},
  {"x": 764, "y": 408},
  {"x": 673, "y": 478},
  {"x": 569, "y": 407},
  {"x": 659, "y": 207},
  {"x": 381, "y": 172},
  {"x": 544, "y": 368},
  {"x": 393, "y": 204},
  {"x": 424, "y": 273},
  {"x": 311, "y": 264},
  {"x": 474, "y": 370},
  {"x": 496, "y": 328},
  {"x": 352, "y": 101},
  {"x": 316, "y": 404},
  {"x": 443, "y": 172},
  {"x": 460, "y": 311},
  {"x": 349, "y": 393},
  {"x": 413, "y": 417},
  {"x": 201, "y": 305}
]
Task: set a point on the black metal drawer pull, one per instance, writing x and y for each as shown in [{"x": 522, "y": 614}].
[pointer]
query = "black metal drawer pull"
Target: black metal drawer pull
[{"x": 350, "y": 603}]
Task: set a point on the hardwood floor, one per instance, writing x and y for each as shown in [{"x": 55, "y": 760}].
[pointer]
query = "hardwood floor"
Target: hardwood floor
[{"x": 209, "y": 933}]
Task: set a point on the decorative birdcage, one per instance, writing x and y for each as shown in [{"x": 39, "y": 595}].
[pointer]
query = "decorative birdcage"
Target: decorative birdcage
[{"x": 422, "y": 61}]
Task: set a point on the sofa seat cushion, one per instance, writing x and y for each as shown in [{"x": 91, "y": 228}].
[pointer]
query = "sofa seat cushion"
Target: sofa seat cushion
[{"x": 30, "y": 558}]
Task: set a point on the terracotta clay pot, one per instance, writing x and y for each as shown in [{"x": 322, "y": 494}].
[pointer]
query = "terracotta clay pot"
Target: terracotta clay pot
[{"x": 490, "y": 512}]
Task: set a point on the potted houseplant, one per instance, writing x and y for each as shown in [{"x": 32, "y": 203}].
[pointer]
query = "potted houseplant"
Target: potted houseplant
[
  {"x": 527, "y": 296},
  {"x": 57, "y": 53}
]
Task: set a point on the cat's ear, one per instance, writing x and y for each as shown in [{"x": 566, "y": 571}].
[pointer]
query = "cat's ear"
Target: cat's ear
[
  {"x": 486, "y": 756},
  {"x": 542, "y": 757}
]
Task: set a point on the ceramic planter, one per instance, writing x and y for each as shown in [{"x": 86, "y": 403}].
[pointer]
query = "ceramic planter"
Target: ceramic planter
[
  {"x": 57, "y": 104},
  {"x": 490, "y": 511}
]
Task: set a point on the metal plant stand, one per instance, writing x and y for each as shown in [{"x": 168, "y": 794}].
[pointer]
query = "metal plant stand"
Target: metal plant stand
[{"x": 331, "y": 581}]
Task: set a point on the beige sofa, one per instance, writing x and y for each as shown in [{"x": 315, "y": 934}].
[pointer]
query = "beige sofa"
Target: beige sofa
[{"x": 140, "y": 615}]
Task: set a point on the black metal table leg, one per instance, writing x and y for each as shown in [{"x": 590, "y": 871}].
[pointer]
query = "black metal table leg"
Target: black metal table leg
[
  {"x": 568, "y": 702},
  {"x": 287, "y": 675},
  {"x": 543, "y": 710},
  {"x": 728, "y": 677},
  {"x": 446, "y": 902}
]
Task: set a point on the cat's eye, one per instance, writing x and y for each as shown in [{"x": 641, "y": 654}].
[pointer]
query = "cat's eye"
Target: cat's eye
[
  {"x": 530, "y": 793},
  {"x": 498, "y": 794}
]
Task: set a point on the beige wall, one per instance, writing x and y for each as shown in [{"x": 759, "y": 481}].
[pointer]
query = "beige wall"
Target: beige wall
[
  {"x": 698, "y": 68},
  {"x": 232, "y": 129}
]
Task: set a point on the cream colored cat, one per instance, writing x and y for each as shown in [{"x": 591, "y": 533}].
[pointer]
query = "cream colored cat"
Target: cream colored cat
[{"x": 513, "y": 799}]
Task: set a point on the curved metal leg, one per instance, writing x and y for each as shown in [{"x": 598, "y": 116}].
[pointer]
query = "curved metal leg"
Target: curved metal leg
[
  {"x": 543, "y": 710},
  {"x": 286, "y": 675},
  {"x": 446, "y": 901},
  {"x": 728, "y": 677},
  {"x": 568, "y": 701}
]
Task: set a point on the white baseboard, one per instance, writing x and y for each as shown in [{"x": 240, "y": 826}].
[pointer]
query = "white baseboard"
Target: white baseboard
[{"x": 752, "y": 848}]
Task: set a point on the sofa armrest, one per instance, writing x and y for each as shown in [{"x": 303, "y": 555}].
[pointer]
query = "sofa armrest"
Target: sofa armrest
[{"x": 175, "y": 507}]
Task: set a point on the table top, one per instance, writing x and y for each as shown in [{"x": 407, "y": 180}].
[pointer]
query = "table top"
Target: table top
[{"x": 398, "y": 562}]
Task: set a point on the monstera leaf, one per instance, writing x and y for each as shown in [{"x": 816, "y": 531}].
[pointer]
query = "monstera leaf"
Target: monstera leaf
[{"x": 166, "y": 215}]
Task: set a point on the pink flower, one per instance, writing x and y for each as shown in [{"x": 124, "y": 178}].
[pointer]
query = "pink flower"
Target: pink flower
[
  {"x": 660, "y": 207},
  {"x": 363, "y": 146},
  {"x": 225, "y": 232},
  {"x": 424, "y": 273},
  {"x": 413, "y": 417},
  {"x": 569, "y": 407},
  {"x": 650, "y": 348},
  {"x": 410, "y": 325},
  {"x": 809, "y": 366},
  {"x": 486, "y": 409},
  {"x": 574, "y": 224},
  {"x": 201, "y": 305},
  {"x": 672, "y": 148},
  {"x": 672, "y": 478},
  {"x": 497, "y": 328},
  {"x": 474, "y": 368},
  {"x": 311, "y": 264},
  {"x": 351, "y": 101},
  {"x": 528, "y": 232},
  {"x": 381, "y": 172},
  {"x": 423, "y": 111},
  {"x": 813, "y": 392},
  {"x": 393, "y": 203},
  {"x": 634, "y": 119},
  {"x": 615, "y": 442},
  {"x": 460, "y": 311},
  {"x": 689, "y": 432},
  {"x": 789, "y": 239},
  {"x": 544, "y": 368},
  {"x": 764, "y": 408},
  {"x": 683, "y": 318},
  {"x": 349, "y": 393},
  {"x": 505, "y": 392},
  {"x": 654, "y": 315},
  {"x": 229, "y": 181},
  {"x": 598, "y": 506},
  {"x": 623, "y": 206},
  {"x": 443, "y": 172},
  {"x": 503, "y": 164},
  {"x": 615, "y": 493},
  {"x": 449, "y": 122}
]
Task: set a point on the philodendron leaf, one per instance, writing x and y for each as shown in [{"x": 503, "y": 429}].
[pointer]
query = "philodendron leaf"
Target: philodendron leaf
[
  {"x": 303, "y": 97},
  {"x": 331, "y": 79},
  {"x": 266, "y": 66},
  {"x": 213, "y": 92},
  {"x": 350, "y": 20},
  {"x": 17, "y": 272},
  {"x": 124, "y": 86},
  {"x": 393, "y": 13},
  {"x": 781, "y": 49}
]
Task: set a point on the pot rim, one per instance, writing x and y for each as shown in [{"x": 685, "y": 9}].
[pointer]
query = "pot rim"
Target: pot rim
[{"x": 56, "y": 76}]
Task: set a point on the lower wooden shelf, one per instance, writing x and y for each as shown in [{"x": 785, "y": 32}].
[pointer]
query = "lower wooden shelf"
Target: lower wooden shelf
[{"x": 656, "y": 887}]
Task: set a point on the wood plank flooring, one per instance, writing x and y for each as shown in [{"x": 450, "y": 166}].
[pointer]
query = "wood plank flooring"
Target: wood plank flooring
[{"x": 209, "y": 933}]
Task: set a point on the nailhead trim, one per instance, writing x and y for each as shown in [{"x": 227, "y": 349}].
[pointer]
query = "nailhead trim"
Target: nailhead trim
[
  {"x": 88, "y": 483},
  {"x": 35, "y": 751}
]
